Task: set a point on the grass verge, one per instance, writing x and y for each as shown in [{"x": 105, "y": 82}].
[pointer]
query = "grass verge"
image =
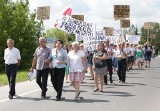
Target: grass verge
[{"x": 21, "y": 76}]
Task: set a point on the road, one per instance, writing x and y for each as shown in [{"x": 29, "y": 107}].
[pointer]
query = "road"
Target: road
[{"x": 140, "y": 93}]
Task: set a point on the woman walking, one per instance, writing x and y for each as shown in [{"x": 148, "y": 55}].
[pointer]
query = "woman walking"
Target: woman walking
[
  {"x": 77, "y": 66},
  {"x": 99, "y": 66}
]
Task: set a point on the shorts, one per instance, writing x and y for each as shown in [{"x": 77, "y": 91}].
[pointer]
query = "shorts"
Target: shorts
[
  {"x": 147, "y": 57},
  {"x": 75, "y": 76},
  {"x": 132, "y": 59},
  {"x": 139, "y": 59},
  {"x": 129, "y": 60},
  {"x": 100, "y": 71}
]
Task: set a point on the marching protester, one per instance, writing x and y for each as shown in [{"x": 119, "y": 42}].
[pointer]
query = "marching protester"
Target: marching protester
[
  {"x": 121, "y": 56},
  {"x": 59, "y": 60},
  {"x": 12, "y": 59},
  {"x": 114, "y": 59},
  {"x": 90, "y": 64},
  {"x": 85, "y": 58},
  {"x": 148, "y": 54},
  {"x": 139, "y": 56},
  {"x": 132, "y": 56},
  {"x": 128, "y": 48},
  {"x": 99, "y": 66},
  {"x": 42, "y": 66},
  {"x": 77, "y": 66},
  {"x": 110, "y": 53}
]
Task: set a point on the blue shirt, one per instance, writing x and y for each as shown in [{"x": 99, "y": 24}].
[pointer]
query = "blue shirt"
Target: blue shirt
[{"x": 58, "y": 56}]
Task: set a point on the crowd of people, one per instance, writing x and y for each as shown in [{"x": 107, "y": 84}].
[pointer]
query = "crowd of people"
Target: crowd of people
[{"x": 72, "y": 61}]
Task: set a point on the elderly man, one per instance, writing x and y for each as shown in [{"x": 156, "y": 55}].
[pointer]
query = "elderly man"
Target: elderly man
[
  {"x": 12, "y": 60},
  {"x": 40, "y": 56}
]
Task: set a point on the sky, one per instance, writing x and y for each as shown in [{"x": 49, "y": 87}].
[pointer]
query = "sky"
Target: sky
[{"x": 101, "y": 11}]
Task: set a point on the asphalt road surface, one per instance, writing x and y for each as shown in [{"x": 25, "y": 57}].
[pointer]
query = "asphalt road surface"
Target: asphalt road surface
[{"x": 141, "y": 92}]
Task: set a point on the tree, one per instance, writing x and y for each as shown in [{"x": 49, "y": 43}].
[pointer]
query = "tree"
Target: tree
[
  {"x": 59, "y": 34},
  {"x": 19, "y": 24}
]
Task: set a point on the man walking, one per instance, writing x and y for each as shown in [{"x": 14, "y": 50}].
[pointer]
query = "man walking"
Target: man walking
[
  {"x": 12, "y": 59},
  {"x": 40, "y": 56}
]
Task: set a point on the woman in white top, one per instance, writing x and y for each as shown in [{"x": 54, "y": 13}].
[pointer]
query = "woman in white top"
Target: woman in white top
[{"x": 77, "y": 67}]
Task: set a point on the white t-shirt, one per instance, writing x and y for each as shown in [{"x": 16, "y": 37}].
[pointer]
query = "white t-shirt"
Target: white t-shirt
[
  {"x": 119, "y": 53},
  {"x": 11, "y": 56},
  {"x": 76, "y": 61},
  {"x": 116, "y": 52},
  {"x": 129, "y": 50},
  {"x": 132, "y": 51}
]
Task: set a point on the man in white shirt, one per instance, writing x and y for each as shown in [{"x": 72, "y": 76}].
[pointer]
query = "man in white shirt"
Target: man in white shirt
[
  {"x": 128, "y": 48},
  {"x": 12, "y": 59}
]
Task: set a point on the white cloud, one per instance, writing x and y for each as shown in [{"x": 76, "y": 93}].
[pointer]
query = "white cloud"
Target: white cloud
[{"x": 101, "y": 11}]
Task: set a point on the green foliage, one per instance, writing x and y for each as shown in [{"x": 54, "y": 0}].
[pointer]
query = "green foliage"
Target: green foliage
[
  {"x": 59, "y": 34},
  {"x": 155, "y": 30},
  {"x": 19, "y": 24}
]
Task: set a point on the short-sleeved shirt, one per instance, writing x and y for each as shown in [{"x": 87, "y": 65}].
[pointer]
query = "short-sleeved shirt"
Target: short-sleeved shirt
[
  {"x": 110, "y": 48},
  {"x": 119, "y": 52},
  {"x": 41, "y": 54},
  {"x": 148, "y": 50},
  {"x": 59, "y": 56},
  {"x": 76, "y": 64},
  {"x": 129, "y": 50},
  {"x": 11, "y": 56},
  {"x": 132, "y": 51}
]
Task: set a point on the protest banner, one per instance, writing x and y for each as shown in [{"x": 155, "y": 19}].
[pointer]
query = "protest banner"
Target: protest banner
[
  {"x": 133, "y": 39},
  {"x": 121, "y": 12},
  {"x": 78, "y": 27},
  {"x": 43, "y": 13},
  {"x": 109, "y": 30},
  {"x": 125, "y": 23},
  {"x": 78, "y": 17}
]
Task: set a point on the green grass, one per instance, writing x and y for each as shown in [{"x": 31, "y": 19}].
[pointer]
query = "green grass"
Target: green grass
[{"x": 21, "y": 76}]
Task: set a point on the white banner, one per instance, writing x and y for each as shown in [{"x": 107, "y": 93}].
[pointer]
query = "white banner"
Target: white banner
[
  {"x": 115, "y": 38},
  {"x": 134, "y": 39},
  {"x": 78, "y": 27},
  {"x": 90, "y": 43}
]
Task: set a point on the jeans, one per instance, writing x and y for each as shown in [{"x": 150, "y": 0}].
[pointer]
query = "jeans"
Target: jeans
[
  {"x": 122, "y": 70},
  {"x": 41, "y": 79}
]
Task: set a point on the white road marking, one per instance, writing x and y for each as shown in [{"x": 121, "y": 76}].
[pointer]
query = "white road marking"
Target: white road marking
[{"x": 1, "y": 101}]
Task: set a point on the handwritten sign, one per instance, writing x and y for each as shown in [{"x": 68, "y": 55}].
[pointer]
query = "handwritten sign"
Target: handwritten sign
[
  {"x": 78, "y": 27},
  {"x": 109, "y": 30},
  {"x": 125, "y": 23},
  {"x": 78, "y": 17},
  {"x": 121, "y": 11},
  {"x": 43, "y": 13},
  {"x": 149, "y": 25}
]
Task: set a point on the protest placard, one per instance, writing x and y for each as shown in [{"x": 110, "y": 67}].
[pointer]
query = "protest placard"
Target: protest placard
[
  {"x": 43, "y": 13},
  {"x": 149, "y": 25},
  {"x": 121, "y": 11},
  {"x": 134, "y": 39},
  {"x": 125, "y": 23},
  {"x": 78, "y": 17},
  {"x": 109, "y": 30}
]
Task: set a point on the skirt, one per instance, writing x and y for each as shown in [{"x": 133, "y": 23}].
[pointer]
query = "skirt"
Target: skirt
[
  {"x": 75, "y": 76},
  {"x": 100, "y": 71}
]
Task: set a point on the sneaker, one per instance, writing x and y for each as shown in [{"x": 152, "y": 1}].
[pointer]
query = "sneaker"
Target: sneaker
[
  {"x": 43, "y": 97},
  {"x": 92, "y": 79},
  {"x": 10, "y": 97},
  {"x": 119, "y": 81}
]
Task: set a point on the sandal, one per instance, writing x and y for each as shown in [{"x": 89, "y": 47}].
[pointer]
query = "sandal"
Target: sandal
[{"x": 96, "y": 90}]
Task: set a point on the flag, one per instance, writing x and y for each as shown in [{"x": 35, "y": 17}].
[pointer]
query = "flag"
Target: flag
[{"x": 65, "y": 12}]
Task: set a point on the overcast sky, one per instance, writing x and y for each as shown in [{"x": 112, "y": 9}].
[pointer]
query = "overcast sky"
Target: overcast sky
[{"x": 101, "y": 11}]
